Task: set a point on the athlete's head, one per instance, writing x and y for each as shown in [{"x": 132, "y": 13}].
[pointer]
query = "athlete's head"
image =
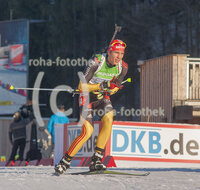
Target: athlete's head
[{"x": 116, "y": 51}]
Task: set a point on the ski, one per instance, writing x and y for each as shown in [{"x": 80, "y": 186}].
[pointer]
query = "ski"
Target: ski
[{"x": 109, "y": 172}]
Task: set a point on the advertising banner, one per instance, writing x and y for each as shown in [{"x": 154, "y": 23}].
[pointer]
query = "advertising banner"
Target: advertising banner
[
  {"x": 13, "y": 64},
  {"x": 16, "y": 54},
  {"x": 156, "y": 142},
  {"x": 142, "y": 145}
]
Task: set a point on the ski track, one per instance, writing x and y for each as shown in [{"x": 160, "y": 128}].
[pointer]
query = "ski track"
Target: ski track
[{"x": 42, "y": 177}]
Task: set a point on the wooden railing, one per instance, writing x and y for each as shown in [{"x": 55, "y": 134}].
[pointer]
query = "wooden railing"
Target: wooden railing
[{"x": 193, "y": 78}]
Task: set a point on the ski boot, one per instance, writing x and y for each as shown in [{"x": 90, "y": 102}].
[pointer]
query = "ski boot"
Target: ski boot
[
  {"x": 96, "y": 163},
  {"x": 62, "y": 166}
]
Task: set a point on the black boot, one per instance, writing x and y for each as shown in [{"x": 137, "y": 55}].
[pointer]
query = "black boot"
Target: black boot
[
  {"x": 96, "y": 163},
  {"x": 63, "y": 165}
]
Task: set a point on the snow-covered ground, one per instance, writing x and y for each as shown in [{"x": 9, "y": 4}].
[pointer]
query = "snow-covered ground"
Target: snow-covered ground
[{"x": 41, "y": 177}]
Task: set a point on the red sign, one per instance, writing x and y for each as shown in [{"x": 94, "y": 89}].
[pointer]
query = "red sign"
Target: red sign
[{"x": 16, "y": 54}]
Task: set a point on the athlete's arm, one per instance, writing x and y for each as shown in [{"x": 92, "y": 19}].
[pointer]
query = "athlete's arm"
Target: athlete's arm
[
  {"x": 120, "y": 78},
  {"x": 88, "y": 73}
]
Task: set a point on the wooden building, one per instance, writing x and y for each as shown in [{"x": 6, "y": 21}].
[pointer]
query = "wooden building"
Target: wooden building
[{"x": 170, "y": 89}]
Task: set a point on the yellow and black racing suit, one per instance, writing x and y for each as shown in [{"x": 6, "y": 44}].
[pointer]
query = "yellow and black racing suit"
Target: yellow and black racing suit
[{"x": 97, "y": 71}]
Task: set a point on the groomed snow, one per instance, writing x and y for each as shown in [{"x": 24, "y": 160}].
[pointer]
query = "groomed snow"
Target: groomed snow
[{"x": 41, "y": 177}]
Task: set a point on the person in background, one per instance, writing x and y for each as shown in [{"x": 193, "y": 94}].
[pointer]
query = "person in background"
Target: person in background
[
  {"x": 17, "y": 134},
  {"x": 58, "y": 118}
]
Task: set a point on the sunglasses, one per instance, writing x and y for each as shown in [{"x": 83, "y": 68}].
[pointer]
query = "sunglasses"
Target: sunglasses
[{"x": 118, "y": 43}]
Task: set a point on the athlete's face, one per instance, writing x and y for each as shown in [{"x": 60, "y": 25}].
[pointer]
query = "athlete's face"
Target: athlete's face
[{"x": 114, "y": 57}]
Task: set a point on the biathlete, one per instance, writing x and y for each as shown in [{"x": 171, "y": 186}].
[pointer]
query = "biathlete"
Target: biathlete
[{"x": 104, "y": 75}]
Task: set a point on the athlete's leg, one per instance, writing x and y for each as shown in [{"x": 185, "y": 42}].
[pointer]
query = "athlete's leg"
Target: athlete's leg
[
  {"x": 103, "y": 136},
  {"x": 87, "y": 130},
  {"x": 105, "y": 132}
]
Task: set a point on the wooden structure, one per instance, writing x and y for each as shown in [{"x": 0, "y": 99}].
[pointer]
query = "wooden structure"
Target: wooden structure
[{"x": 170, "y": 84}]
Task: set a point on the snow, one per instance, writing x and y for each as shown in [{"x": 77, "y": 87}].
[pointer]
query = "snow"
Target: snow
[{"x": 41, "y": 177}]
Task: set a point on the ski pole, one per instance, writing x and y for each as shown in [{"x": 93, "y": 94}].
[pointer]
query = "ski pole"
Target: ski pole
[
  {"x": 127, "y": 80},
  {"x": 42, "y": 89},
  {"x": 58, "y": 89}
]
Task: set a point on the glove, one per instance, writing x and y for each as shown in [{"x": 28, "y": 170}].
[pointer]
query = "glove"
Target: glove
[
  {"x": 109, "y": 85},
  {"x": 113, "y": 91},
  {"x": 99, "y": 95}
]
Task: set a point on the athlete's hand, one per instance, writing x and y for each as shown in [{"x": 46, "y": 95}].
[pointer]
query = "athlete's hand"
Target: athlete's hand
[{"x": 110, "y": 84}]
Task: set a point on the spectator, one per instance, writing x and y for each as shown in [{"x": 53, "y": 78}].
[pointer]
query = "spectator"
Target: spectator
[
  {"x": 58, "y": 118},
  {"x": 17, "y": 135}
]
